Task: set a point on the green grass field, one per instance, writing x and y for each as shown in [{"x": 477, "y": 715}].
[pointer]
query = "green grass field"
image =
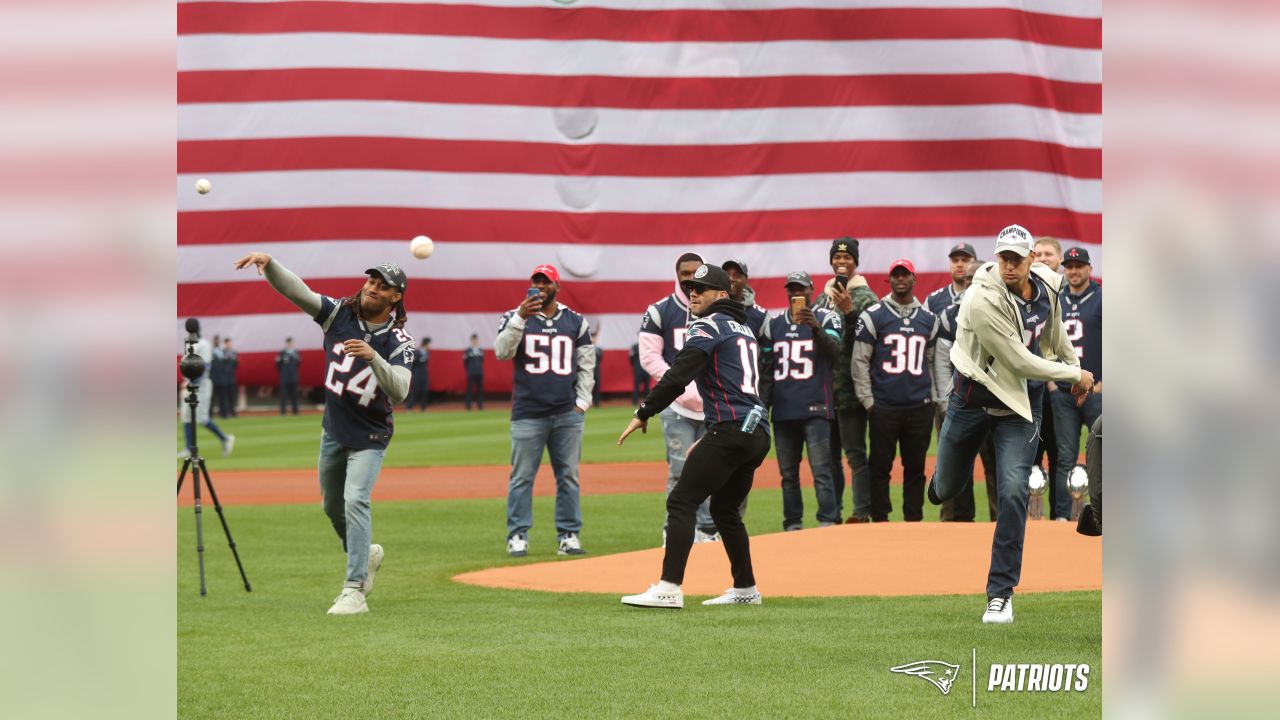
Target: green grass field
[{"x": 434, "y": 648}]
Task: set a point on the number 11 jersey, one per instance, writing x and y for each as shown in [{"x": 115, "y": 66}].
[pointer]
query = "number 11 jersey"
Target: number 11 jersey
[{"x": 357, "y": 413}]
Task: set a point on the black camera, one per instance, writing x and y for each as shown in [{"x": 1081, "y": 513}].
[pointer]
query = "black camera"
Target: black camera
[{"x": 192, "y": 365}]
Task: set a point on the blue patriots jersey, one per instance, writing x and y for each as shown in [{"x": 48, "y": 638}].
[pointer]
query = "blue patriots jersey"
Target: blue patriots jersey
[
  {"x": 1082, "y": 322},
  {"x": 802, "y": 378},
  {"x": 757, "y": 317},
  {"x": 546, "y": 363},
  {"x": 941, "y": 299},
  {"x": 947, "y": 322},
  {"x": 357, "y": 413},
  {"x": 900, "y": 373},
  {"x": 1034, "y": 314},
  {"x": 729, "y": 384},
  {"x": 669, "y": 318}
]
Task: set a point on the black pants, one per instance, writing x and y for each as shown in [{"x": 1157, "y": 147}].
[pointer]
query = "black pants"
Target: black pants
[
  {"x": 640, "y": 384},
  {"x": 910, "y": 429},
  {"x": 476, "y": 382},
  {"x": 722, "y": 467},
  {"x": 837, "y": 463},
  {"x": 417, "y": 392},
  {"x": 225, "y": 397},
  {"x": 1048, "y": 446},
  {"x": 289, "y": 395}
]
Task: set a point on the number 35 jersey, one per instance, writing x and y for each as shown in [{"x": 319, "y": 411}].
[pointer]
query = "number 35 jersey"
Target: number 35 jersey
[
  {"x": 900, "y": 372},
  {"x": 546, "y": 363},
  {"x": 357, "y": 413},
  {"x": 801, "y": 377}
]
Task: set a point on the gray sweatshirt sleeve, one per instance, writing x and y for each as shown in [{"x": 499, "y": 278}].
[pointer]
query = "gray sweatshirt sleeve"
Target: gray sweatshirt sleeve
[
  {"x": 860, "y": 366},
  {"x": 508, "y": 340},
  {"x": 291, "y": 286},
  {"x": 942, "y": 370},
  {"x": 394, "y": 380},
  {"x": 586, "y": 374}
]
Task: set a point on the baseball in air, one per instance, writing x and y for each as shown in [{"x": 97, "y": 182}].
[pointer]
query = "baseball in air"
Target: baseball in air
[
  {"x": 203, "y": 186},
  {"x": 422, "y": 247}
]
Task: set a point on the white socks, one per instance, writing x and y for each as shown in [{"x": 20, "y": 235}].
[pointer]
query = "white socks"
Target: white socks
[
  {"x": 666, "y": 587},
  {"x": 746, "y": 592}
]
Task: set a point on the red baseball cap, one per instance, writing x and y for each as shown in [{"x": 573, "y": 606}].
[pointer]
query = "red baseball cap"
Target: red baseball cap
[
  {"x": 902, "y": 263},
  {"x": 549, "y": 270}
]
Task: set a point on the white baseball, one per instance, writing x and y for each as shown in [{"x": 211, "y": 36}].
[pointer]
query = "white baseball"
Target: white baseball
[
  {"x": 203, "y": 186},
  {"x": 422, "y": 247}
]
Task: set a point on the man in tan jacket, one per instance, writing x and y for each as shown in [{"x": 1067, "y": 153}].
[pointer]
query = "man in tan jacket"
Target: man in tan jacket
[{"x": 1009, "y": 343}]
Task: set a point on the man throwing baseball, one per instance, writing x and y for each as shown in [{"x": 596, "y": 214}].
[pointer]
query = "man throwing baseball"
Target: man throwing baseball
[
  {"x": 1009, "y": 342},
  {"x": 368, "y": 355}
]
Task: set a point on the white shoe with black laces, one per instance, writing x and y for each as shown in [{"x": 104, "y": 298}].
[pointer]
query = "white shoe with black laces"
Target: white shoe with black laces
[
  {"x": 700, "y": 537},
  {"x": 999, "y": 611},
  {"x": 517, "y": 546},
  {"x": 731, "y": 597},
  {"x": 570, "y": 545},
  {"x": 655, "y": 598}
]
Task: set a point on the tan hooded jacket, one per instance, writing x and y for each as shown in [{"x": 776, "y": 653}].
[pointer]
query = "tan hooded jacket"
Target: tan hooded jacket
[{"x": 991, "y": 344}]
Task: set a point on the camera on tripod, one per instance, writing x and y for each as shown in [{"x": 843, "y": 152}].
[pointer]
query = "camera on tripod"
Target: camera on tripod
[{"x": 192, "y": 365}]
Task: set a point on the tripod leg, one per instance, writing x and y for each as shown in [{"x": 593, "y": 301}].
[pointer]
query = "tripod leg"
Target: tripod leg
[
  {"x": 186, "y": 466},
  {"x": 196, "y": 468},
  {"x": 217, "y": 506}
]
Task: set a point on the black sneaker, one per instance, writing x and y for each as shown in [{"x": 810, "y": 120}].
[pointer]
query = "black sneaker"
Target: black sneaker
[
  {"x": 1088, "y": 522},
  {"x": 933, "y": 494}
]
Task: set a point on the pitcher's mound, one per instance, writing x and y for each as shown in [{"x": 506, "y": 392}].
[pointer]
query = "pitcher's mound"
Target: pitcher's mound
[{"x": 881, "y": 559}]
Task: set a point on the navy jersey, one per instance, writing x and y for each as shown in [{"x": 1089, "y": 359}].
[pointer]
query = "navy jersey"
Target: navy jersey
[
  {"x": 941, "y": 299},
  {"x": 669, "y": 318},
  {"x": 1082, "y": 322},
  {"x": 900, "y": 373},
  {"x": 357, "y": 413},
  {"x": 1034, "y": 314},
  {"x": 757, "y": 317},
  {"x": 546, "y": 363},
  {"x": 801, "y": 377},
  {"x": 473, "y": 361},
  {"x": 947, "y": 322},
  {"x": 729, "y": 384}
]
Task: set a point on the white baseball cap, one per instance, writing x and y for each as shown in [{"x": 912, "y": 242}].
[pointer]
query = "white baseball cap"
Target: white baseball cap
[{"x": 1015, "y": 238}]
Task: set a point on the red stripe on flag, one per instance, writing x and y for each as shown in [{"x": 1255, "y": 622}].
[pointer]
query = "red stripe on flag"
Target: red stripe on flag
[
  {"x": 653, "y": 93},
  {"x": 640, "y": 25},
  {"x": 496, "y": 296},
  {"x": 451, "y": 225},
  {"x": 321, "y": 153}
]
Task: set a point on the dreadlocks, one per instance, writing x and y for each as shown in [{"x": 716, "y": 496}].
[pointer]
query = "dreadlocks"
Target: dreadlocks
[{"x": 401, "y": 316}]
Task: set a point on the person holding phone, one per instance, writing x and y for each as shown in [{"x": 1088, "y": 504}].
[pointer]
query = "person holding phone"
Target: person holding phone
[
  {"x": 849, "y": 295},
  {"x": 554, "y": 372},
  {"x": 799, "y": 349}
]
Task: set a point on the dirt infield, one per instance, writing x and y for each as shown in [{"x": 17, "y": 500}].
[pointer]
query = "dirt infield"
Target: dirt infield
[
  {"x": 880, "y": 559},
  {"x": 282, "y": 487}
]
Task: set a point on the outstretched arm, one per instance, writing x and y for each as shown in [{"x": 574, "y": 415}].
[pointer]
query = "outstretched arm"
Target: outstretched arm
[{"x": 283, "y": 281}]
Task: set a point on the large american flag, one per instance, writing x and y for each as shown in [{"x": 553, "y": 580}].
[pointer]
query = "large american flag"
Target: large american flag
[{"x": 606, "y": 137}]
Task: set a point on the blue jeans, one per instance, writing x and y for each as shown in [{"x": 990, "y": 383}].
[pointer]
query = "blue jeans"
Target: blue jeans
[
  {"x": 346, "y": 483},
  {"x": 1015, "y": 441},
  {"x": 561, "y": 436},
  {"x": 790, "y": 437},
  {"x": 1067, "y": 421},
  {"x": 679, "y": 433}
]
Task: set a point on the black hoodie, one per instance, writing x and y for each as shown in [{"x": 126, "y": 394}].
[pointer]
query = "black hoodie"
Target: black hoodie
[{"x": 688, "y": 363}]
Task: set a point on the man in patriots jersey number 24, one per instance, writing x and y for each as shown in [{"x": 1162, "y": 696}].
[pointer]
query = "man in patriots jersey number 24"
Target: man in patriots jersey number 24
[
  {"x": 721, "y": 356},
  {"x": 554, "y": 372},
  {"x": 368, "y": 356}
]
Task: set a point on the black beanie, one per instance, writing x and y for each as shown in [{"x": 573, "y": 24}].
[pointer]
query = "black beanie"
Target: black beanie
[{"x": 844, "y": 244}]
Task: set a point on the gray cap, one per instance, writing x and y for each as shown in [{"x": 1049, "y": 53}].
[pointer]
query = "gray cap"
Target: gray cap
[
  {"x": 740, "y": 264},
  {"x": 391, "y": 274},
  {"x": 799, "y": 277},
  {"x": 1016, "y": 239}
]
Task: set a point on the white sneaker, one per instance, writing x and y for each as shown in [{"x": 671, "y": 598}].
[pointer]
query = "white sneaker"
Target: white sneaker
[
  {"x": 999, "y": 611},
  {"x": 664, "y": 538},
  {"x": 185, "y": 454},
  {"x": 228, "y": 445},
  {"x": 350, "y": 602},
  {"x": 375, "y": 561},
  {"x": 570, "y": 545},
  {"x": 517, "y": 546},
  {"x": 700, "y": 537},
  {"x": 656, "y": 599},
  {"x": 730, "y": 597}
]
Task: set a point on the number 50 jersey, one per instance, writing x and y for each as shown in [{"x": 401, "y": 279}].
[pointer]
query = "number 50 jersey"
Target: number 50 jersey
[
  {"x": 546, "y": 363},
  {"x": 357, "y": 413}
]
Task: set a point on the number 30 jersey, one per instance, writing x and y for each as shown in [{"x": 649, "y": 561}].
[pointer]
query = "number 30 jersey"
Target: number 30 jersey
[
  {"x": 546, "y": 363},
  {"x": 357, "y": 413},
  {"x": 900, "y": 372}
]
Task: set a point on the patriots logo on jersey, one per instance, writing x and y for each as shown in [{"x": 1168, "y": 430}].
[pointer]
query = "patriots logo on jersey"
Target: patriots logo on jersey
[{"x": 697, "y": 331}]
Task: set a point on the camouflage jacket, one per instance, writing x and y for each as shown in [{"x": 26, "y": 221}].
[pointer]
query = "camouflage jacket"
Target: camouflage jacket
[{"x": 863, "y": 298}]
